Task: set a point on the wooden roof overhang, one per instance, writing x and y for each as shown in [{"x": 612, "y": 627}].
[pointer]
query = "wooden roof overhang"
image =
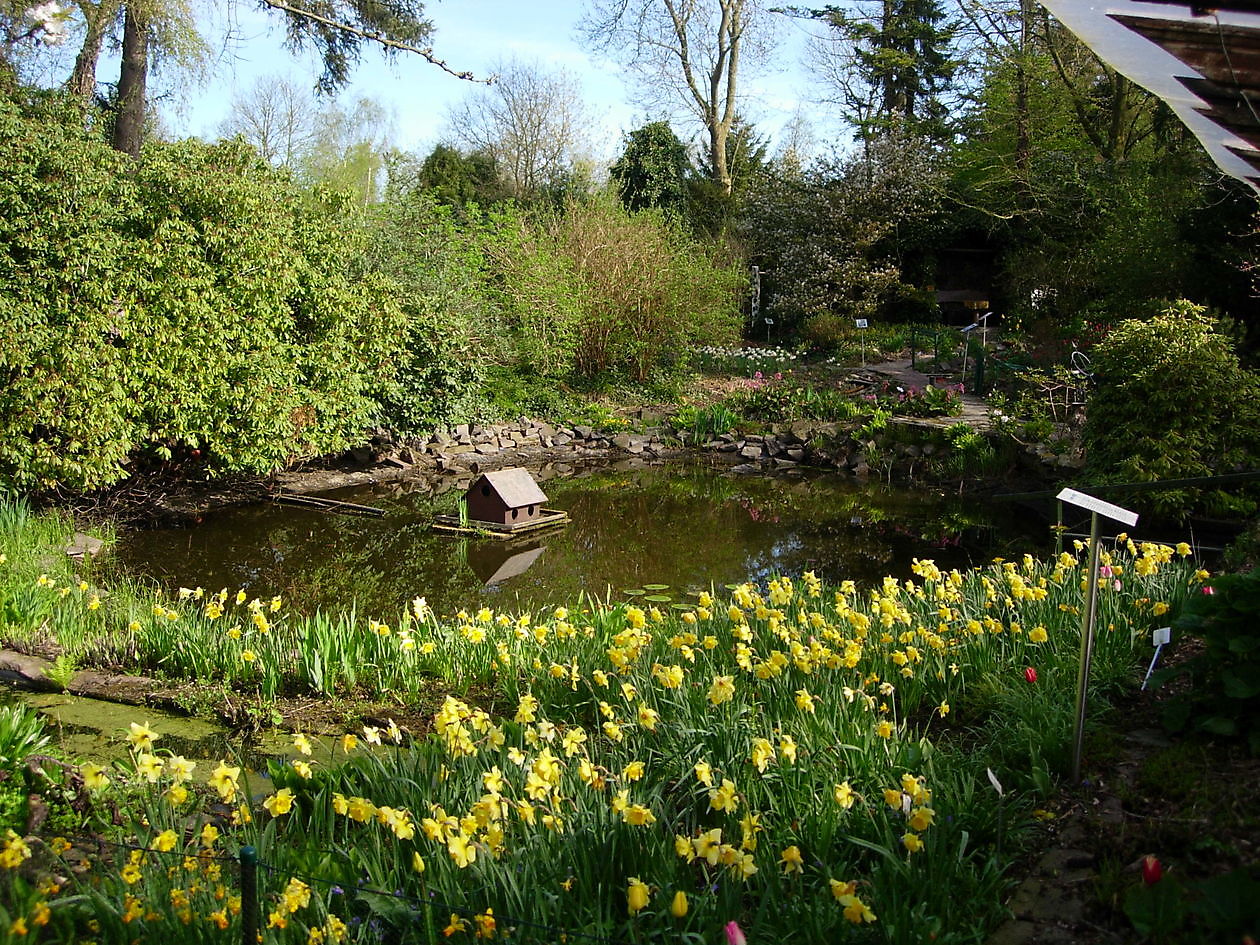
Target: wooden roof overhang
[{"x": 1203, "y": 59}]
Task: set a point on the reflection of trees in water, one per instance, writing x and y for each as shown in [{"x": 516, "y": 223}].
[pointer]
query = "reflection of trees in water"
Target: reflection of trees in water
[{"x": 677, "y": 525}]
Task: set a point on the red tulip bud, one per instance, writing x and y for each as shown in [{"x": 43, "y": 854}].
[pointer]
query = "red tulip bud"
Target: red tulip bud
[
  {"x": 1208, "y": 589},
  {"x": 1152, "y": 871},
  {"x": 1030, "y": 674}
]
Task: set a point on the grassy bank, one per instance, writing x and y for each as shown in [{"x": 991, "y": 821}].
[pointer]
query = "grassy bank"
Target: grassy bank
[{"x": 815, "y": 763}]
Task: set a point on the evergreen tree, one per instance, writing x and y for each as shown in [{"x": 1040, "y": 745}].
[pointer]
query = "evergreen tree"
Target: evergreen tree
[
  {"x": 653, "y": 169},
  {"x": 893, "y": 67}
]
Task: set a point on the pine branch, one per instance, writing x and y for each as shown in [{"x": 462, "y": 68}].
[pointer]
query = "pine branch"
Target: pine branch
[{"x": 426, "y": 52}]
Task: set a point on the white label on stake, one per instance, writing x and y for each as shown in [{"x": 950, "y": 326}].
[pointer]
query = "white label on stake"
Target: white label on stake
[
  {"x": 860, "y": 322},
  {"x": 1161, "y": 636},
  {"x": 1088, "y": 502}
]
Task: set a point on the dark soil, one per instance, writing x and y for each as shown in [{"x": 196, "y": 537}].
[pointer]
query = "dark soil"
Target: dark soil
[{"x": 1186, "y": 801}]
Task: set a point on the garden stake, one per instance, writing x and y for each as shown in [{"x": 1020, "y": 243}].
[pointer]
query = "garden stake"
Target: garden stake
[
  {"x": 1089, "y": 611},
  {"x": 249, "y": 896},
  {"x": 1159, "y": 638},
  {"x": 1087, "y": 648},
  {"x": 1058, "y": 528}
]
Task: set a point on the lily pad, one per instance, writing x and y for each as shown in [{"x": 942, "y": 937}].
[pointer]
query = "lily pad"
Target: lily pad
[
  {"x": 659, "y": 598},
  {"x": 634, "y": 592},
  {"x": 656, "y": 587}
]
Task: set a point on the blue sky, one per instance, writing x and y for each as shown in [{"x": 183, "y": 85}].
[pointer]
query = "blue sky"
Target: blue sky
[{"x": 473, "y": 35}]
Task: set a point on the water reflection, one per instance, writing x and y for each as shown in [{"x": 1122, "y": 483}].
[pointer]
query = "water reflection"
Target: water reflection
[
  {"x": 498, "y": 562},
  {"x": 685, "y": 525}
]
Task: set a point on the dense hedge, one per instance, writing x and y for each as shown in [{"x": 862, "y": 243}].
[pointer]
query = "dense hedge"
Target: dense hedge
[
  {"x": 195, "y": 300},
  {"x": 1173, "y": 401}
]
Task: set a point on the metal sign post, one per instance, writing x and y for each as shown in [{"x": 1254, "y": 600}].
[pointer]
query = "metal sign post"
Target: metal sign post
[
  {"x": 1095, "y": 507},
  {"x": 862, "y": 324}
]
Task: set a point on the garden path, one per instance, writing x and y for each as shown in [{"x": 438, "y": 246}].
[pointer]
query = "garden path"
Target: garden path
[{"x": 975, "y": 409}]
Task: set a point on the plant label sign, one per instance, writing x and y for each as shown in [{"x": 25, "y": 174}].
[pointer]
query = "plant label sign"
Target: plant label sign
[
  {"x": 860, "y": 322},
  {"x": 1091, "y": 504},
  {"x": 1161, "y": 637}
]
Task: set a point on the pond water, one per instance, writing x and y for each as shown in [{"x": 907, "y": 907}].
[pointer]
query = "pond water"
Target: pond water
[{"x": 655, "y": 531}]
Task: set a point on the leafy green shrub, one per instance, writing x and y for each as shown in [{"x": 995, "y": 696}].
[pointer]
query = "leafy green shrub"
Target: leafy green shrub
[
  {"x": 930, "y": 401},
  {"x": 704, "y": 423},
  {"x": 452, "y": 328},
  {"x": 783, "y": 403},
  {"x": 598, "y": 290},
  {"x": 1171, "y": 401},
  {"x": 826, "y": 331},
  {"x": 197, "y": 303},
  {"x": 1224, "y": 697},
  {"x": 539, "y": 293},
  {"x": 651, "y": 292}
]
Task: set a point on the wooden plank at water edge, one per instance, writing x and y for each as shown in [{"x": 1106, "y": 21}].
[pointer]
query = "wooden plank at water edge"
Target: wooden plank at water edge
[
  {"x": 451, "y": 524},
  {"x": 327, "y": 505}
]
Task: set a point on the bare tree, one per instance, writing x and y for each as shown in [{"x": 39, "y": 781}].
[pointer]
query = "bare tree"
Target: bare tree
[
  {"x": 533, "y": 123},
  {"x": 350, "y": 148},
  {"x": 276, "y": 117},
  {"x": 688, "y": 53}
]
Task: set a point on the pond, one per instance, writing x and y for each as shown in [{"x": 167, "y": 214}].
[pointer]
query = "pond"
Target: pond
[{"x": 657, "y": 532}]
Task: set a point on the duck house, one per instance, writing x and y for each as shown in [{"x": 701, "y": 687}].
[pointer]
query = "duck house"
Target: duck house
[{"x": 505, "y": 497}]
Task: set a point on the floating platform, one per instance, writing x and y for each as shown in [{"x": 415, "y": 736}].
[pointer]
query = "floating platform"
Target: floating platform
[{"x": 547, "y": 518}]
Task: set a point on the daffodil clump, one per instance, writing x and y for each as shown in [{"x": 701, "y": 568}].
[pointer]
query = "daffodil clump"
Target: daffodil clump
[{"x": 768, "y": 756}]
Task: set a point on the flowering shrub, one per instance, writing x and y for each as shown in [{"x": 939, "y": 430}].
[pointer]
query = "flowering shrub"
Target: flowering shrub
[{"x": 928, "y": 401}]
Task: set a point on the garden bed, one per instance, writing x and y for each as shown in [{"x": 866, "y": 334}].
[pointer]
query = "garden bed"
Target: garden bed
[{"x": 779, "y": 756}]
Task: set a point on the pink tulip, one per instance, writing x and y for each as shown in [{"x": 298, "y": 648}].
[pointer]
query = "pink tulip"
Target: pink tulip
[{"x": 734, "y": 934}]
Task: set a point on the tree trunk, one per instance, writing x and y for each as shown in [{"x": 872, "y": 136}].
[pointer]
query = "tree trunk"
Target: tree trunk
[
  {"x": 82, "y": 83},
  {"x": 1023, "y": 119},
  {"x": 717, "y": 155},
  {"x": 129, "y": 125}
]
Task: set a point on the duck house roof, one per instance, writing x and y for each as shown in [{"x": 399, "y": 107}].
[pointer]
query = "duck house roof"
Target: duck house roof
[{"x": 516, "y": 487}]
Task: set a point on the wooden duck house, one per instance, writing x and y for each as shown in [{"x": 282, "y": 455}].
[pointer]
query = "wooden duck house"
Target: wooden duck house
[
  {"x": 505, "y": 497},
  {"x": 502, "y": 504}
]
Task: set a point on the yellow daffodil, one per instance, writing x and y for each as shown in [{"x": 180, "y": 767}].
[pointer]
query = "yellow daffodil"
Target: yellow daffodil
[
  {"x": 279, "y": 803},
  {"x": 224, "y": 780},
  {"x": 724, "y": 797},
  {"x": 845, "y": 795},
  {"x": 791, "y": 860},
  {"x": 141, "y": 737},
  {"x": 637, "y": 895},
  {"x": 722, "y": 689},
  {"x": 94, "y": 777}
]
